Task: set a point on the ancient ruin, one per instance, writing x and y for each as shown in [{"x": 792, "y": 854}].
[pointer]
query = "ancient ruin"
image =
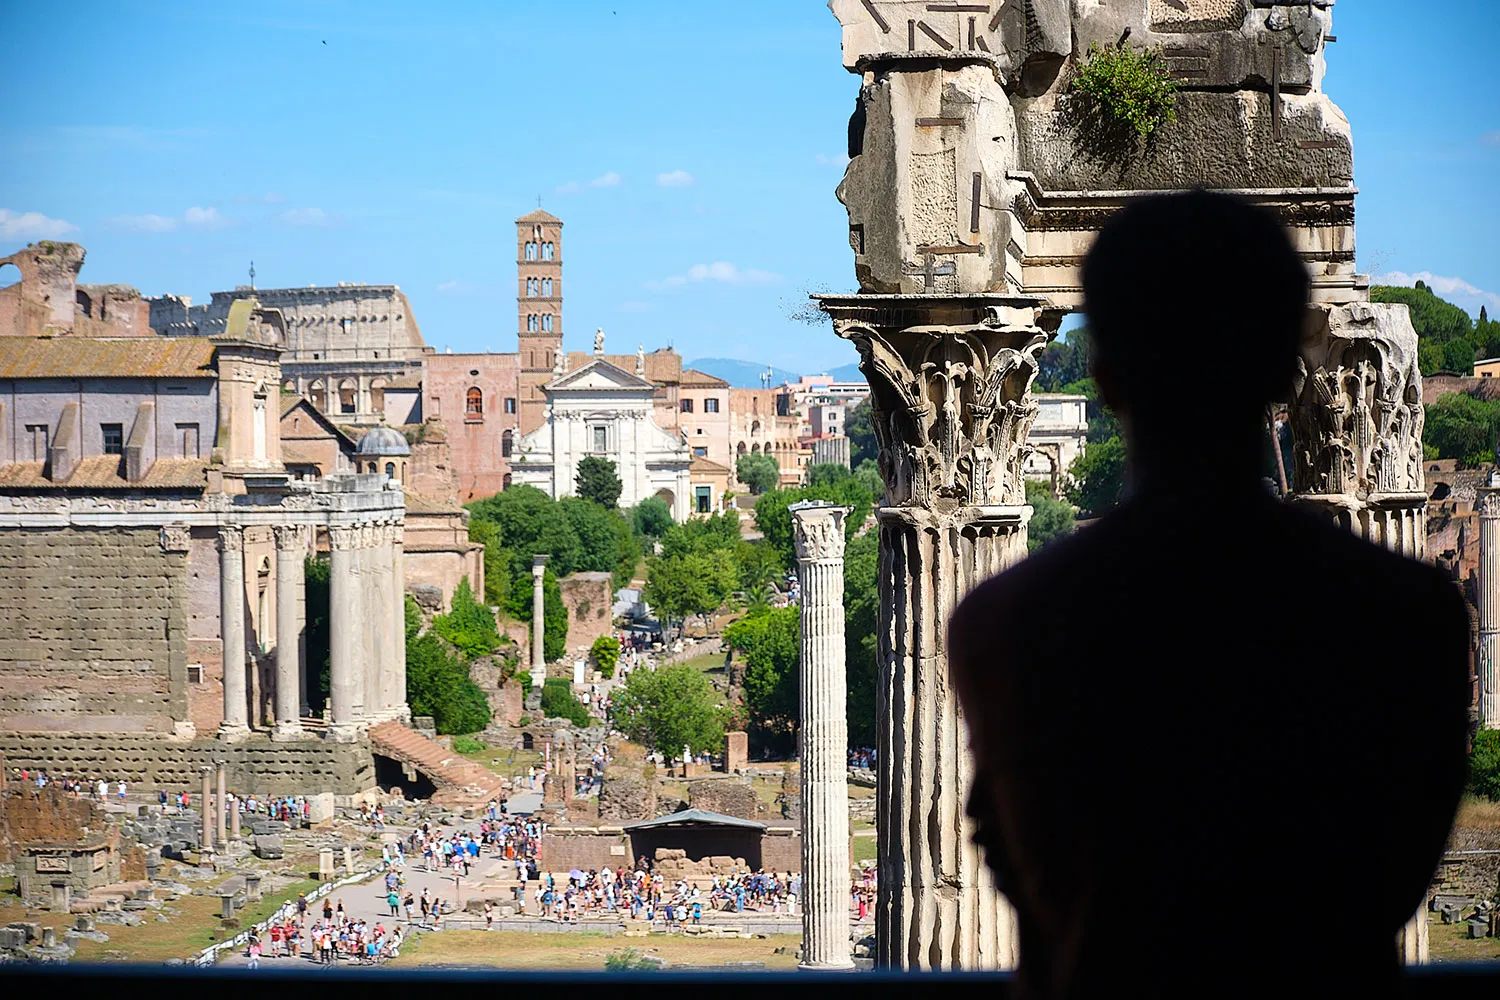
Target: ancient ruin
[{"x": 970, "y": 211}]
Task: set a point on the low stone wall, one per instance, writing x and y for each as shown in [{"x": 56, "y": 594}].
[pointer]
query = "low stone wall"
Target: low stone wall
[
  {"x": 729, "y": 795},
  {"x": 305, "y": 767},
  {"x": 781, "y": 849},
  {"x": 585, "y": 847}
]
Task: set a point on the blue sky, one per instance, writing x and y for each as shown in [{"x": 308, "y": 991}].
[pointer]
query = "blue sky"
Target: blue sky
[{"x": 692, "y": 150}]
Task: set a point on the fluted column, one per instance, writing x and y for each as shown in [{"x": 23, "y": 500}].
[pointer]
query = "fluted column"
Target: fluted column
[
  {"x": 369, "y": 628},
  {"x": 221, "y": 804},
  {"x": 206, "y": 807},
  {"x": 950, "y": 380},
  {"x": 1489, "y": 608},
  {"x": 345, "y": 673},
  {"x": 818, "y": 534},
  {"x": 397, "y": 691},
  {"x": 289, "y": 584},
  {"x": 538, "y": 623},
  {"x": 232, "y": 632},
  {"x": 1356, "y": 416}
]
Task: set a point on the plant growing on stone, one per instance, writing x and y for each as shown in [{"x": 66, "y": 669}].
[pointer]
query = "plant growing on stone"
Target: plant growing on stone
[
  {"x": 606, "y": 653},
  {"x": 558, "y": 702},
  {"x": 1116, "y": 102}
]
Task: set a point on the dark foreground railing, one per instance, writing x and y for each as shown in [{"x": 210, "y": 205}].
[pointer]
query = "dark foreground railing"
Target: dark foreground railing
[{"x": 69, "y": 982}]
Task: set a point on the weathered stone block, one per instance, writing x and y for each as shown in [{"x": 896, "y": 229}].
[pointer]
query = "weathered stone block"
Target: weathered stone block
[{"x": 268, "y": 847}]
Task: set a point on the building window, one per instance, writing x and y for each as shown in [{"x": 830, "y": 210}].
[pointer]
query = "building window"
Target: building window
[
  {"x": 390, "y": 470},
  {"x": 710, "y": 405},
  {"x": 547, "y": 323},
  {"x": 188, "y": 434},
  {"x": 548, "y": 250},
  {"x": 531, "y": 324},
  {"x": 686, "y": 405},
  {"x": 510, "y": 404},
  {"x": 195, "y": 673},
  {"x": 505, "y": 483},
  {"x": 37, "y": 433},
  {"x": 705, "y": 498},
  {"x": 507, "y": 442},
  {"x": 547, "y": 287},
  {"x": 531, "y": 286},
  {"x": 114, "y": 438},
  {"x": 473, "y": 403},
  {"x": 601, "y": 438},
  {"x": 530, "y": 251},
  {"x": 701, "y": 452}
]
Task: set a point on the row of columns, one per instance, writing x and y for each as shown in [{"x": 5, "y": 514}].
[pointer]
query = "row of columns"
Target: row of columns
[
  {"x": 367, "y": 662},
  {"x": 219, "y": 819}
]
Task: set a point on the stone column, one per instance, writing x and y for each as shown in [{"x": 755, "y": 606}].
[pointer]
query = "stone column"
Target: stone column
[
  {"x": 234, "y": 818},
  {"x": 1356, "y": 416},
  {"x": 221, "y": 806},
  {"x": 370, "y": 629},
  {"x": 387, "y": 621},
  {"x": 345, "y": 672},
  {"x": 289, "y": 586},
  {"x": 398, "y": 623},
  {"x": 206, "y": 820},
  {"x": 818, "y": 533},
  {"x": 538, "y": 623},
  {"x": 950, "y": 380},
  {"x": 232, "y": 631},
  {"x": 1489, "y": 606}
]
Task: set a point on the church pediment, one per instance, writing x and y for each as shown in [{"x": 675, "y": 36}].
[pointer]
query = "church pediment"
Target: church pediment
[{"x": 599, "y": 375}]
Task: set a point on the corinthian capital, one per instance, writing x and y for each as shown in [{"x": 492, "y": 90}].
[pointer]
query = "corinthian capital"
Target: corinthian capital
[
  {"x": 950, "y": 392},
  {"x": 1489, "y": 505},
  {"x": 289, "y": 537},
  {"x": 231, "y": 538},
  {"x": 343, "y": 536},
  {"x": 818, "y": 530}
]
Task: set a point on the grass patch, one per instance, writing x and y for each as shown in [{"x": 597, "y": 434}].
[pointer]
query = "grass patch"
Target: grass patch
[
  {"x": 586, "y": 951},
  {"x": 709, "y": 663},
  {"x": 861, "y": 792},
  {"x": 862, "y": 849},
  {"x": 1450, "y": 943},
  {"x": 504, "y": 761},
  {"x": 1478, "y": 813}
]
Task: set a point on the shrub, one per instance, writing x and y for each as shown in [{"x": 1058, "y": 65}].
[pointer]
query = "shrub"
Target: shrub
[
  {"x": 1116, "y": 102},
  {"x": 558, "y": 703},
  {"x": 470, "y": 626},
  {"x": 606, "y": 653},
  {"x": 629, "y": 960},
  {"x": 438, "y": 684},
  {"x": 668, "y": 709},
  {"x": 1484, "y": 765},
  {"x": 467, "y": 744}
]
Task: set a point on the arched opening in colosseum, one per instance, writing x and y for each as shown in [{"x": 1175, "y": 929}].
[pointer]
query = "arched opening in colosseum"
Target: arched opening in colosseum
[
  {"x": 377, "y": 394},
  {"x": 319, "y": 393},
  {"x": 348, "y": 393}
]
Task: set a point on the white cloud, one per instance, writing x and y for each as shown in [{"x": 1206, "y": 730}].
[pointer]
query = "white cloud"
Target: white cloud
[
  {"x": 146, "y": 223},
  {"x": 674, "y": 179},
  {"x": 196, "y": 216},
  {"x": 1491, "y": 138},
  {"x": 608, "y": 180},
  {"x": 1446, "y": 287},
  {"x": 832, "y": 161},
  {"x": 32, "y": 225},
  {"x": 306, "y": 217},
  {"x": 449, "y": 286},
  {"x": 572, "y": 187},
  {"x": 634, "y": 307},
  {"x": 721, "y": 271}
]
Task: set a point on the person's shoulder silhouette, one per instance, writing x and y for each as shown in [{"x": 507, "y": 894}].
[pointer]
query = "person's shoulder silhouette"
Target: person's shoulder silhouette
[{"x": 1208, "y": 713}]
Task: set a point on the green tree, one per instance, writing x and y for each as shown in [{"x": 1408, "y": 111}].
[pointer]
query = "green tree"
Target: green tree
[
  {"x": 1098, "y": 477},
  {"x": 598, "y": 481},
  {"x": 469, "y": 625},
  {"x": 759, "y": 472},
  {"x": 774, "y": 519},
  {"x": 861, "y": 611},
  {"x": 1064, "y": 361},
  {"x": 413, "y": 618},
  {"x": 1429, "y": 357},
  {"x": 689, "y": 584},
  {"x": 668, "y": 709},
  {"x": 868, "y": 473},
  {"x": 651, "y": 517},
  {"x": 1050, "y": 518},
  {"x": 606, "y": 544},
  {"x": 1458, "y": 357},
  {"x": 498, "y": 564},
  {"x": 605, "y": 653},
  {"x": 1463, "y": 427},
  {"x": 770, "y": 640},
  {"x": 720, "y": 531},
  {"x": 1484, "y": 765},
  {"x": 1433, "y": 318},
  {"x": 530, "y": 523},
  {"x": 558, "y": 702},
  {"x": 757, "y": 562},
  {"x": 438, "y": 684},
  {"x": 859, "y": 428}
]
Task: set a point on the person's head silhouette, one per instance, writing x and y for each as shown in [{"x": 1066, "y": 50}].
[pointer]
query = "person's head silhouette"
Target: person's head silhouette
[{"x": 1196, "y": 304}]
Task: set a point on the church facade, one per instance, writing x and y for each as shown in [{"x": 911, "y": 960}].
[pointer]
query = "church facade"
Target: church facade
[{"x": 603, "y": 410}]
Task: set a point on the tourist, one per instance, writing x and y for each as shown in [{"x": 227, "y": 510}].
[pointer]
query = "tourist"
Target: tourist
[
  {"x": 327, "y": 910},
  {"x": 253, "y": 953},
  {"x": 394, "y": 901},
  {"x": 406, "y": 904},
  {"x": 489, "y": 915}
]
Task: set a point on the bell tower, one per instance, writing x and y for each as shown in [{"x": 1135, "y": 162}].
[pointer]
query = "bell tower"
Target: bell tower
[{"x": 539, "y": 309}]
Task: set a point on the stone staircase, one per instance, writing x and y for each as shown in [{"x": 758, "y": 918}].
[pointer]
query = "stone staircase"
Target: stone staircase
[{"x": 462, "y": 785}]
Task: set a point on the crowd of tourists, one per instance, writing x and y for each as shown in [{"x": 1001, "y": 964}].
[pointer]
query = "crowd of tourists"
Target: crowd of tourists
[
  {"x": 647, "y": 895},
  {"x": 77, "y": 785},
  {"x": 335, "y": 937},
  {"x": 863, "y": 757}
]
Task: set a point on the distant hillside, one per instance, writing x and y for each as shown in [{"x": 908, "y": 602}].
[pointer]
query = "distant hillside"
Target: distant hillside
[
  {"x": 847, "y": 373},
  {"x": 740, "y": 374}
]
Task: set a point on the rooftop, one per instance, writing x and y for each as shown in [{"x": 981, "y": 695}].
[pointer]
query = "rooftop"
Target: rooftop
[
  {"x": 695, "y": 817},
  {"x": 81, "y": 357}
]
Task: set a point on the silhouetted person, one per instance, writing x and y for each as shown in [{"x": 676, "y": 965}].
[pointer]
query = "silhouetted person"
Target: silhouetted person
[{"x": 1219, "y": 741}]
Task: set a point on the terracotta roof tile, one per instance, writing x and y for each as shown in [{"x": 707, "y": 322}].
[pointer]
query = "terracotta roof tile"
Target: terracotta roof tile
[
  {"x": 141, "y": 357},
  {"x": 106, "y": 472}
]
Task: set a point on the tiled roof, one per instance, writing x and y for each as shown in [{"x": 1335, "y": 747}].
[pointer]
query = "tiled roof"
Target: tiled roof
[
  {"x": 539, "y": 216},
  {"x": 140, "y": 357},
  {"x": 704, "y": 465},
  {"x": 702, "y": 380},
  {"x": 420, "y": 503},
  {"x": 106, "y": 472}
]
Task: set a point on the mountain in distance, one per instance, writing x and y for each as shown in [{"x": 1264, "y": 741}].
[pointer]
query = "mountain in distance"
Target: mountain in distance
[{"x": 746, "y": 374}]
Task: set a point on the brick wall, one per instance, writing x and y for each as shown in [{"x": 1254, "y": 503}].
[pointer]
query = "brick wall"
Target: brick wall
[
  {"x": 94, "y": 635},
  {"x": 590, "y": 599}
]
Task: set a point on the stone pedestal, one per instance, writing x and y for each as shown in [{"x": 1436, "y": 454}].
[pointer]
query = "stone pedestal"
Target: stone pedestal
[
  {"x": 62, "y": 897},
  {"x": 234, "y": 818},
  {"x": 1488, "y": 599},
  {"x": 818, "y": 534},
  {"x": 252, "y": 888},
  {"x": 736, "y": 751},
  {"x": 290, "y": 552},
  {"x": 325, "y": 863},
  {"x": 232, "y": 632},
  {"x": 348, "y": 860},
  {"x": 950, "y": 378}
]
